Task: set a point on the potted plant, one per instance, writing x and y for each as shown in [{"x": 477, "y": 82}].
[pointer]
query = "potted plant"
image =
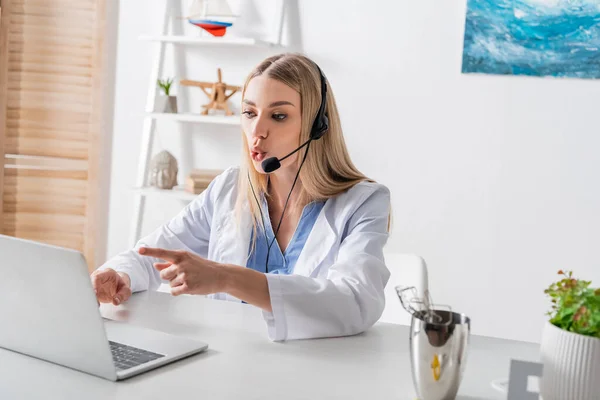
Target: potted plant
[
  {"x": 166, "y": 103},
  {"x": 570, "y": 349}
]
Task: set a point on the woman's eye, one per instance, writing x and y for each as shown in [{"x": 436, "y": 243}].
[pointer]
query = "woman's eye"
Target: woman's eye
[
  {"x": 248, "y": 114},
  {"x": 279, "y": 117}
]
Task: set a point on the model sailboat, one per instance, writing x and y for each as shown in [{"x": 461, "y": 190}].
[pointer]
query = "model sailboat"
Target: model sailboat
[{"x": 214, "y": 16}]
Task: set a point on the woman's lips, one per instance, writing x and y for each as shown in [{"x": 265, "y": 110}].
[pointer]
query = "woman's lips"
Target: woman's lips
[{"x": 258, "y": 156}]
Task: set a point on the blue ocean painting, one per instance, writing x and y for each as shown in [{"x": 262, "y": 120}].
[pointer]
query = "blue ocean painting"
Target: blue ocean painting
[{"x": 533, "y": 37}]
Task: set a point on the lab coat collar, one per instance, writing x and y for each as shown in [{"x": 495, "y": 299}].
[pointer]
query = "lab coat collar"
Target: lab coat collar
[{"x": 316, "y": 249}]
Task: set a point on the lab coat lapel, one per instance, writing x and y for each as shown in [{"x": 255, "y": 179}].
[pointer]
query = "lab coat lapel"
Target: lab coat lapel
[
  {"x": 319, "y": 243},
  {"x": 234, "y": 239}
]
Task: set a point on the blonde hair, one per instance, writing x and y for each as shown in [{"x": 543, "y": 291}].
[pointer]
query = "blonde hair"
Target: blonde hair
[{"x": 328, "y": 170}]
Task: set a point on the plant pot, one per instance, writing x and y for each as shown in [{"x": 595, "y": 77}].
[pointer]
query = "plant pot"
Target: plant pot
[
  {"x": 571, "y": 365},
  {"x": 166, "y": 104}
]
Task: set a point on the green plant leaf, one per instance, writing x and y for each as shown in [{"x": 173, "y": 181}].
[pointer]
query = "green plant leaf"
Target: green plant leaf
[
  {"x": 575, "y": 306},
  {"x": 165, "y": 85}
]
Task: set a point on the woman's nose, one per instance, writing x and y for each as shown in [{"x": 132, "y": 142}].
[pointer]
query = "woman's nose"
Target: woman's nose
[{"x": 260, "y": 128}]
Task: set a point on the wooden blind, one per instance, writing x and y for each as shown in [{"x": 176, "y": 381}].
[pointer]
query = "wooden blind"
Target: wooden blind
[{"x": 50, "y": 79}]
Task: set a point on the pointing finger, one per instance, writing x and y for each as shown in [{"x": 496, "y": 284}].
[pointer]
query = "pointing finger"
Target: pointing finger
[{"x": 163, "y": 254}]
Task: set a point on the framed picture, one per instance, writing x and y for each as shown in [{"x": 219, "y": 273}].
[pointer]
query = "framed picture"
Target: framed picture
[{"x": 559, "y": 38}]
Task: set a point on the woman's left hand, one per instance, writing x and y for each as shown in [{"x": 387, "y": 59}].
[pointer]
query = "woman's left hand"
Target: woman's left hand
[{"x": 187, "y": 272}]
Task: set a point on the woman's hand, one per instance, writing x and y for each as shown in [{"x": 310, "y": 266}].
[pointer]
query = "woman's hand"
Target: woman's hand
[
  {"x": 187, "y": 272},
  {"x": 111, "y": 286},
  {"x": 192, "y": 274}
]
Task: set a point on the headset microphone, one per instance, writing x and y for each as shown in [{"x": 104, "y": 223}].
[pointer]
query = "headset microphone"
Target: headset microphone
[{"x": 273, "y": 163}]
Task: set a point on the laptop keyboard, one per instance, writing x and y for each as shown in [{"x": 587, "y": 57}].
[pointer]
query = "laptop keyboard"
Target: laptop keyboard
[{"x": 126, "y": 357}]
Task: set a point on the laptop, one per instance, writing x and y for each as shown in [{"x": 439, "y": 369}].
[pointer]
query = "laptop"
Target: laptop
[{"x": 48, "y": 310}]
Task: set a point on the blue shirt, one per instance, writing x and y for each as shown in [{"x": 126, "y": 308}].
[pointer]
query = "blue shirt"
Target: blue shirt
[{"x": 282, "y": 263}]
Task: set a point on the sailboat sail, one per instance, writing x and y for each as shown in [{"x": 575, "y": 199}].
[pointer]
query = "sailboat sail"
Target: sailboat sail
[{"x": 201, "y": 9}]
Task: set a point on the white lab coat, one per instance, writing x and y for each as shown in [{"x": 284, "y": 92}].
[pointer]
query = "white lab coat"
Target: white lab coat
[{"x": 337, "y": 287}]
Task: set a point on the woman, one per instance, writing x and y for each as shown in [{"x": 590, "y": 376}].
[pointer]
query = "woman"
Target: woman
[{"x": 304, "y": 242}]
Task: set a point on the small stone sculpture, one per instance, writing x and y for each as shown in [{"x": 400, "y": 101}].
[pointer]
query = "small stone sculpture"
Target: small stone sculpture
[{"x": 163, "y": 170}]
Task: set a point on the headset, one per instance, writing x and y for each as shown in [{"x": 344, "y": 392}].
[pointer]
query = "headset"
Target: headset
[{"x": 319, "y": 127}]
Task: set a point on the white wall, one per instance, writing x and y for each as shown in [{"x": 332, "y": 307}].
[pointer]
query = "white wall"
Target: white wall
[{"x": 494, "y": 179}]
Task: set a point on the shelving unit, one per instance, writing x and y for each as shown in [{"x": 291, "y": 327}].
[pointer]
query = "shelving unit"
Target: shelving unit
[
  {"x": 177, "y": 192},
  {"x": 161, "y": 40},
  {"x": 207, "y": 41},
  {"x": 197, "y": 118}
]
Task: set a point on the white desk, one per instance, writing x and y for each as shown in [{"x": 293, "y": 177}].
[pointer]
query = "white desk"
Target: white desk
[{"x": 242, "y": 363}]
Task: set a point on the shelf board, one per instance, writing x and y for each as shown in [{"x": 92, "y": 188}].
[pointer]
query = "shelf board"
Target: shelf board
[
  {"x": 210, "y": 41},
  {"x": 198, "y": 118},
  {"x": 176, "y": 193}
]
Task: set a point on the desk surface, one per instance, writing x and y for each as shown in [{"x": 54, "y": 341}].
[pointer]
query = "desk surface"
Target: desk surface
[{"x": 242, "y": 363}]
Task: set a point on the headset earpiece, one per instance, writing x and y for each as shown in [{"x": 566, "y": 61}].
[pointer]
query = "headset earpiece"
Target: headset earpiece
[{"x": 321, "y": 123}]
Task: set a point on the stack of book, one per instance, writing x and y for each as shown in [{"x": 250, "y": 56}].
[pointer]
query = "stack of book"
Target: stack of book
[{"x": 199, "y": 179}]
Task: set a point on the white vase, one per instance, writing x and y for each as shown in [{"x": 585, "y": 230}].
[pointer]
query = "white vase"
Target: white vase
[
  {"x": 571, "y": 365},
  {"x": 166, "y": 104}
]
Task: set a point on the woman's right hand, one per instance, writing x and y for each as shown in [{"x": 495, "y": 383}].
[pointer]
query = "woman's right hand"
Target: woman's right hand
[{"x": 111, "y": 286}]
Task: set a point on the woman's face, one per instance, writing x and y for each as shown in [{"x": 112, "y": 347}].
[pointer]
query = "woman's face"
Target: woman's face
[{"x": 271, "y": 120}]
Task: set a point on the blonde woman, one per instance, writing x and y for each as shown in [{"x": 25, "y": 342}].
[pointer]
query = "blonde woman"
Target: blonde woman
[{"x": 296, "y": 230}]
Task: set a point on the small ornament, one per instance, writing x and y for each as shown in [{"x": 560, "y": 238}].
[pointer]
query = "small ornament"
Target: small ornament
[
  {"x": 213, "y": 16},
  {"x": 163, "y": 170},
  {"x": 216, "y": 92},
  {"x": 166, "y": 103}
]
